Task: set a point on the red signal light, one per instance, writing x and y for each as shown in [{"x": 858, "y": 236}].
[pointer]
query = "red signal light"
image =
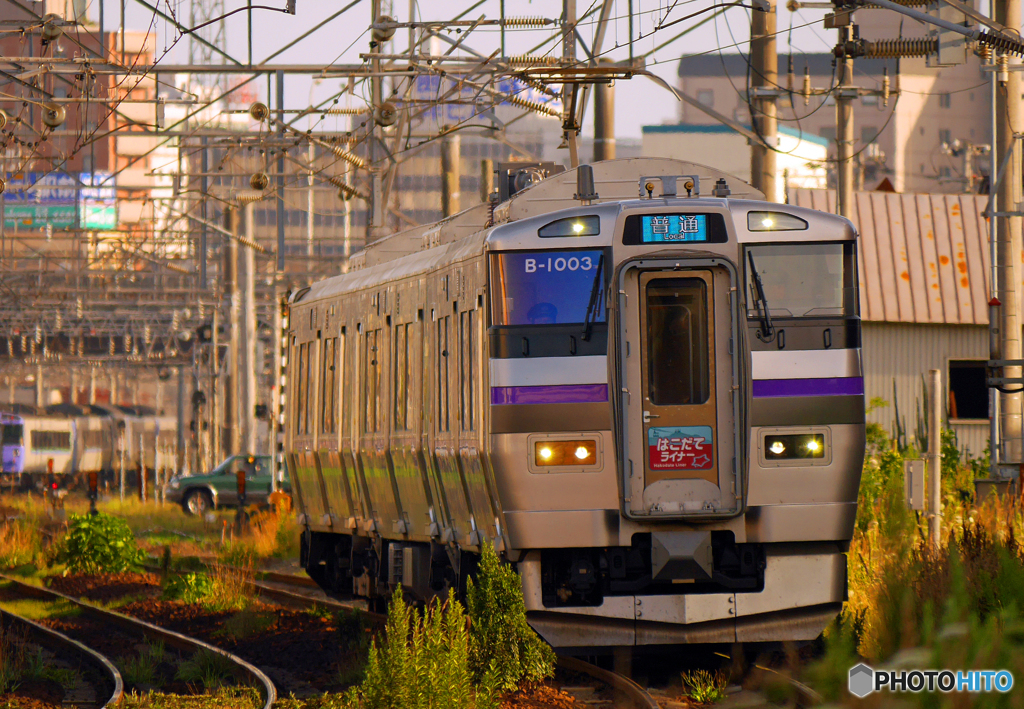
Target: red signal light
[{"x": 53, "y": 485}]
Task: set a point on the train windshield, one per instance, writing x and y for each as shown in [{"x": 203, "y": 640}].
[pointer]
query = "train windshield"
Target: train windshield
[
  {"x": 13, "y": 433},
  {"x": 803, "y": 280},
  {"x": 548, "y": 287}
]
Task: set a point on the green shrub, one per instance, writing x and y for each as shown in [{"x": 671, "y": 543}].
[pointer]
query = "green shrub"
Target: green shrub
[
  {"x": 98, "y": 543},
  {"x": 501, "y": 643},
  {"x": 193, "y": 587},
  {"x": 705, "y": 687},
  {"x": 422, "y": 662}
]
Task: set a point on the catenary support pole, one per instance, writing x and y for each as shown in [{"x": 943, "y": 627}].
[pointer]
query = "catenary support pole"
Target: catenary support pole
[
  {"x": 764, "y": 75},
  {"x": 1009, "y": 115},
  {"x": 450, "y": 174},
  {"x": 247, "y": 362},
  {"x": 845, "y": 94},
  {"x": 179, "y": 458},
  {"x": 935, "y": 403},
  {"x": 230, "y": 438},
  {"x": 604, "y": 122}
]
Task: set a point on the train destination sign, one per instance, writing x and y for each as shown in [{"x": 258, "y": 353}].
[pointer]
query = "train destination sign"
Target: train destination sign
[
  {"x": 657, "y": 228},
  {"x": 680, "y": 448}
]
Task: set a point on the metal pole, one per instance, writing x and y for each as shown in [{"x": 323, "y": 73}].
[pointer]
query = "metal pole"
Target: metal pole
[
  {"x": 310, "y": 206},
  {"x": 216, "y": 407},
  {"x": 451, "y": 154},
  {"x": 123, "y": 438},
  {"x": 994, "y": 310},
  {"x": 844, "y": 128},
  {"x": 935, "y": 458},
  {"x": 179, "y": 458},
  {"x": 205, "y": 185},
  {"x": 248, "y": 360},
  {"x": 281, "y": 213},
  {"x": 764, "y": 75},
  {"x": 1010, "y": 120},
  {"x": 92, "y": 385},
  {"x": 569, "y": 55},
  {"x": 39, "y": 386},
  {"x": 375, "y": 220},
  {"x": 604, "y": 121},
  {"x": 276, "y": 343},
  {"x": 231, "y": 438},
  {"x": 142, "y": 469}
]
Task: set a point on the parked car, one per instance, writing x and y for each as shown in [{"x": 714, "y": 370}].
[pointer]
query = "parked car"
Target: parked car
[{"x": 198, "y": 494}]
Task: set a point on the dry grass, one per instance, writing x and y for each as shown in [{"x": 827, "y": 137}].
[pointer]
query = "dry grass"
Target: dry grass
[{"x": 232, "y": 587}]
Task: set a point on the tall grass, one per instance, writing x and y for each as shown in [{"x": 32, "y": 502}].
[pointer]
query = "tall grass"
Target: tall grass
[
  {"x": 20, "y": 543},
  {"x": 957, "y": 606}
]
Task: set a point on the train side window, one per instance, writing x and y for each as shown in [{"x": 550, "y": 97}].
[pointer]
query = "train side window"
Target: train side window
[
  {"x": 303, "y": 380},
  {"x": 443, "y": 374},
  {"x": 401, "y": 374},
  {"x": 467, "y": 380},
  {"x": 51, "y": 440},
  {"x": 342, "y": 384},
  {"x": 329, "y": 387},
  {"x": 371, "y": 373}
]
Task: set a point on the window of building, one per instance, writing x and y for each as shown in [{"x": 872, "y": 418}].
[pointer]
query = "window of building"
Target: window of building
[
  {"x": 945, "y": 136},
  {"x": 945, "y": 100},
  {"x": 945, "y": 172},
  {"x": 706, "y": 97},
  {"x": 869, "y": 100},
  {"x": 968, "y": 395},
  {"x": 868, "y": 134},
  {"x": 829, "y": 133}
]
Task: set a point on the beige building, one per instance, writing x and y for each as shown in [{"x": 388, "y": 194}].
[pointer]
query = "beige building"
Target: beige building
[{"x": 903, "y": 141}]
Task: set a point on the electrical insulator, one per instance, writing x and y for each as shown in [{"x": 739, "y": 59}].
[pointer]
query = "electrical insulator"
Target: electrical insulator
[
  {"x": 526, "y": 22},
  {"x": 1002, "y": 68},
  {"x": 259, "y": 112},
  {"x": 984, "y": 52},
  {"x": 53, "y": 115},
  {"x": 885, "y": 87},
  {"x": 259, "y": 181},
  {"x": 382, "y": 34},
  {"x": 806, "y": 91}
]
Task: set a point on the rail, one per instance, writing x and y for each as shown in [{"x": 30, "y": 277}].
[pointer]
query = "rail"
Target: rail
[
  {"x": 58, "y": 642},
  {"x": 243, "y": 670}
]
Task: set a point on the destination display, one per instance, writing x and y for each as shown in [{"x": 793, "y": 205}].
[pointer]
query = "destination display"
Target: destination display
[{"x": 673, "y": 227}]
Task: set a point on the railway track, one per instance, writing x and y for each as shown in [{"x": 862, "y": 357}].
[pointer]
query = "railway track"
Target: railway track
[
  {"x": 99, "y": 629},
  {"x": 103, "y": 686}
]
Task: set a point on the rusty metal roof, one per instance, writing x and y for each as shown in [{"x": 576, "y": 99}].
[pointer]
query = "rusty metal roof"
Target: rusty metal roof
[{"x": 923, "y": 258}]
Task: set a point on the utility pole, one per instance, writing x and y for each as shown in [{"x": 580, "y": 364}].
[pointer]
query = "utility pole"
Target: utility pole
[
  {"x": 935, "y": 403},
  {"x": 231, "y": 439},
  {"x": 764, "y": 83},
  {"x": 604, "y": 121},
  {"x": 451, "y": 155},
  {"x": 214, "y": 448},
  {"x": 845, "y": 94},
  {"x": 247, "y": 362},
  {"x": 39, "y": 386},
  {"x": 179, "y": 458},
  {"x": 569, "y": 127},
  {"x": 1008, "y": 234},
  {"x": 375, "y": 221}
]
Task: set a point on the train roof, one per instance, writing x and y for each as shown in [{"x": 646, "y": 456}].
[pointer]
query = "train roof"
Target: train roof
[{"x": 421, "y": 248}]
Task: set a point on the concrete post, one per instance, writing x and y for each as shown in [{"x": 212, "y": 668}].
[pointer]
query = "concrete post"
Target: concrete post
[{"x": 935, "y": 402}]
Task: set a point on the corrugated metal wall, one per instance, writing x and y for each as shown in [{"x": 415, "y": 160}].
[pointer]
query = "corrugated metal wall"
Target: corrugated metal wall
[{"x": 903, "y": 354}]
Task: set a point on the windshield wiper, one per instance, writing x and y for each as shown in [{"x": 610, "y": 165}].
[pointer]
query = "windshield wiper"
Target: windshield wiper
[
  {"x": 596, "y": 297},
  {"x": 767, "y": 332}
]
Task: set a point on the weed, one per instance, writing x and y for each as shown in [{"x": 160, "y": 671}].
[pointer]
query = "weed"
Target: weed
[
  {"x": 231, "y": 588},
  {"x": 705, "y": 687},
  {"x": 140, "y": 670},
  {"x": 354, "y": 631},
  {"x": 207, "y": 668},
  {"x": 20, "y": 544},
  {"x": 98, "y": 543},
  {"x": 222, "y": 698},
  {"x": 501, "y": 641},
  {"x": 12, "y": 658},
  {"x": 318, "y": 611},
  {"x": 189, "y": 588},
  {"x": 37, "y": 667},
  {"x": 247, "y": 623}
]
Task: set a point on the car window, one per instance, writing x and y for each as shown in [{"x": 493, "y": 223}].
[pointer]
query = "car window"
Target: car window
[{"x": 261, "y": 466}]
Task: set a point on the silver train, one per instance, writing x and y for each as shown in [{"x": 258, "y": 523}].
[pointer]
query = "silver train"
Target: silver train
[
  {"x": 64, "y": 443},
  {"x": 650, "y": 401}
]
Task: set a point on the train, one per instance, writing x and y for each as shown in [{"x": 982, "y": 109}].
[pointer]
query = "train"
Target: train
[
  {"x": 60, "y": 445},
  {"x": 638, "y": 380}
]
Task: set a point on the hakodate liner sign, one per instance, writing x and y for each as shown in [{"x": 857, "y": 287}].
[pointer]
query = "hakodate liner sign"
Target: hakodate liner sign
[{"x": 680, "y": 448}]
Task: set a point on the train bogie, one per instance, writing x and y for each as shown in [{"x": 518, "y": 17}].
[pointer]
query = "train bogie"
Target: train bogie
[{"x": 653, "y": 406}]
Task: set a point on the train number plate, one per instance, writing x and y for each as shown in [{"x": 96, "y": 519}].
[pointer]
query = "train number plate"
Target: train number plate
[{"x": 680, "y": 448}]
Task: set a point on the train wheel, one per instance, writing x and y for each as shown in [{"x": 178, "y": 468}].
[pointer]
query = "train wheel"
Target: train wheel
[{"x": 198, "y": 502}]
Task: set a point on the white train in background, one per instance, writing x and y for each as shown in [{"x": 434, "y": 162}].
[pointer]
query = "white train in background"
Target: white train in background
[{"x": 61, "y": 444}]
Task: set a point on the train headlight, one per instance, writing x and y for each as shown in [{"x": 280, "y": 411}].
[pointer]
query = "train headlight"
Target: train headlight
[
  {"x": 794, "y": 446},
  {"x": 548, "y": 454}
]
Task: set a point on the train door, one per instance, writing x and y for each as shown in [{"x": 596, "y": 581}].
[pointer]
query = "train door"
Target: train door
[
  {"x": 683, "y": 400},
  {"x": 446, "y": 456},
  {"x": 469, "y": 410},
  {"x": 382, "y": 502}
]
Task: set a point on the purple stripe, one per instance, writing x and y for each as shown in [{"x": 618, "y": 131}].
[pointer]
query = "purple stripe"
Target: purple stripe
[
  {"x": 559, "y": 394},
  {"x": 837, "y": 386}
]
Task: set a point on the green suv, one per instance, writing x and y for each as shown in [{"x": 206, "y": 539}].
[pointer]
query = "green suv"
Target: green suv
[{"x": 198, "y": 494}]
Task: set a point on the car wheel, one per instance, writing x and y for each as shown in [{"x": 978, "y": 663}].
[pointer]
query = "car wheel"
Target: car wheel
[{"x": 198, "y": 502}]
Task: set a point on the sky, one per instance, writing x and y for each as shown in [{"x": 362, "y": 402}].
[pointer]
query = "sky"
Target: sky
[{"x": 639, "y": 101}]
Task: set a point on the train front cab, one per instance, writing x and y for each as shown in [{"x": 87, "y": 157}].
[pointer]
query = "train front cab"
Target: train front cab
[{"x": 717, "y": 538}]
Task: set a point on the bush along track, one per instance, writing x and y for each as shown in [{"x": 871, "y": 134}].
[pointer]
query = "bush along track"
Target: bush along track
[{"x": 150, "y": 658}]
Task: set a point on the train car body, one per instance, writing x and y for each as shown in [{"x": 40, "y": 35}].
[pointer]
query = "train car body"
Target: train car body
[
  {"x": 650, "y": 401},
  {"x": 38, "y": 445}
]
